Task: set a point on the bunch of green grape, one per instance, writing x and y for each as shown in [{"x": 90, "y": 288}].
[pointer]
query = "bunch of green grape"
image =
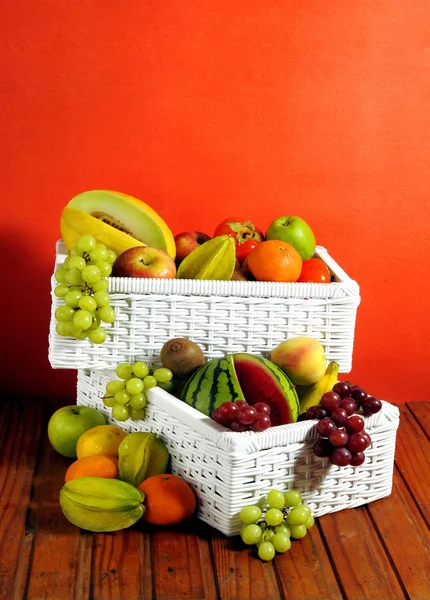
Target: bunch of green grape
[
  {"x": 127, "y": 395},
  {"x": 82, "y": 285},
  {"x": 286, "y": 517}
]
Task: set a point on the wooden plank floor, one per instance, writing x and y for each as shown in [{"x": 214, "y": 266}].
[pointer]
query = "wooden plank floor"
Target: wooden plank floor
[{"x": 378, "y": 551}]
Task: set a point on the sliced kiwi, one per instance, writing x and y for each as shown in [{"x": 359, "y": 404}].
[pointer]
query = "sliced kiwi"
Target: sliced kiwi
[{"x": 182, "y": 357}]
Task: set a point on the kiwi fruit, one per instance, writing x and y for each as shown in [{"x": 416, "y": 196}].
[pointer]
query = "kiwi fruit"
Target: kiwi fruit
[{"x": 182, "y": 357}]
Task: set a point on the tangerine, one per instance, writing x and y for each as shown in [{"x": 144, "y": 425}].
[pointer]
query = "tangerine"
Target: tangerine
[
  {"x": 98, "y": 465},
  {"x": 274, "y": 260},
  {"x": 168, "y": 499}
]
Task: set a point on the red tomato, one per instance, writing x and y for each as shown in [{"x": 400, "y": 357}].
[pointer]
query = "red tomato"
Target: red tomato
[
  {"x": 245, "y": 234},
  {"x": 314, "y": 270}
]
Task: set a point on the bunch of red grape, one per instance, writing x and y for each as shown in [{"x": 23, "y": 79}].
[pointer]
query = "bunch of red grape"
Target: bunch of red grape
[
  {"x": 241, "y": 416},
  {"x": 341, "y": 426}
]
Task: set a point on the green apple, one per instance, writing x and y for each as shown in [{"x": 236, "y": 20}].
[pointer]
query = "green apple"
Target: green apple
[
  {"x": 68, "y": 423},
  {"x": 296, "y": 232}
]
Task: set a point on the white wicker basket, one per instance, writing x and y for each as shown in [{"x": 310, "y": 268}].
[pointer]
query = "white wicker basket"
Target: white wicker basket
[
  {"x": 221, "y": 316},
  {"x": 229, "y": 470}
]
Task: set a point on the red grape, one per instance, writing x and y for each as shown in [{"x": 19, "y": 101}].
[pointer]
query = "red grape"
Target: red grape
[
  {"x": 341, "y": 388},
  {"x": 262, "y": 407},
  {"x": 354, "y": 424},
  {"x": 367, "y": 436},
  {"x": 349, "y": 405},
  {"x": 316, "y": 412},
  {"x": 357, "y": 443},
  {"x": 357, "y": 459},
  {"x": 322, "y": 448},
  {"x": 246, "y": 415},
  {"x": 241, "y": 403},
  {"x": 371, "y": 405},
  {"x": 235, "y": 426},
  {"x": 261, "y": 423},
  {"x": 218, "y": 417},
  {"x": 340, "y": 457},
  {"x": 339, "y": 416},
  {"x": 229, "y": 411},
  {"x": 330, "y": 401},
  {"x": 358, "y": 394},
  {"x": 338, "y": 438},
  {"x": 325, "y": 427}
]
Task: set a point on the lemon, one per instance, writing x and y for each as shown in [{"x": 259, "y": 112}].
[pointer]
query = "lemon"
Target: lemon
[{"x": 103, "y": 439}]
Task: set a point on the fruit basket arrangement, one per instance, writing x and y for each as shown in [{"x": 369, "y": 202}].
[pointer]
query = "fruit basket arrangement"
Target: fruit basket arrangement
[{"x": 255, "y": 409}]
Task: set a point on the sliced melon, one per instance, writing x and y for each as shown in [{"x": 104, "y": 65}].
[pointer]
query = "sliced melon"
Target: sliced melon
[{"x": 115, "y": 219}]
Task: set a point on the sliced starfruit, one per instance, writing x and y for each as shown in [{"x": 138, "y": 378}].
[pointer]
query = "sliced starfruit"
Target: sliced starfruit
[{"x": 215, "y": 259}]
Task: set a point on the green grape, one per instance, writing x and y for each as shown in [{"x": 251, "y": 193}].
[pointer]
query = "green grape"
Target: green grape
[
  {"x": 79, "y": 334},
  {"x": 82, "y": 319},
  {"x": 298, "y": 515},
  {"x": 120, "y": 412},
  {"x": 100, "y": 286},
  {"x": 86, "y": 243},
  {"x": 281, "y": 542},
  {"x": 97, "y": 336},
  {"x": 310, "y": 522},
  {"x": 87, "y": 303},
  {"x": 77, "y": 262},
  {"x": 283, "y": 528},
  {"x": 115, "y": 386},
  {"x": 75, "y": 252},
  {"x": 292, "y": 498},
  {"x": 266, "y": 551},
  {"x": 60, "y": 275},
  {"x": 64, "y": 313},
  {"x": 251, "y": 534},
  {"x": 298, "y": 531},
  {"x": 138, "y": 401},
  {"x": 162, "y": 375},
  {"x": 267, "y": 534},
  {"x": 122, "y": 397},
  {"x": 250, "y": 514},
  {"x": 98, "y": 253},
  {"x": 134, "y": 386},
  {"x": 111, "y": 256},
  {"x": 91, "y": 274},
  {"x": 74, "y": 277},
  {"x": 104, "y": 267},
  {"x": 140, "y": 369},
  {"x": 109, "y": 401},
  {"x": 107, "y": 314},
  {"x": 275, "y": 499},
  {"x": 95, "y": 324},
  {"x": 102, "y": 298},
  {"x": 149, "y": 382},
  {"x": 66, "y": 262},
  {"x": 136, "y": 413},
  {"x": 124, "y": 370},
  {"x": 72, "y": 298},
  {"x": 61, "y": 290},
  {"x": 169, "y": 386},
  {"x": 64, "y": 328},
  {"x": 273, "y": 516}
]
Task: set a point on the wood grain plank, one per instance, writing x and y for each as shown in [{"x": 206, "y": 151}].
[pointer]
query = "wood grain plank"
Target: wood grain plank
[
  {"x": 421, "y": 412},
  {"x": 122, "y": 566},
  {"x": 406, "y": 536},
  {"x": 241, "y": 575},
  {"x": 181, "y": 561},
  {"x": 22, "y": 423},
  {"x": 413, "y": 460},
  {"x": 305, "y": 570},
  {"x": 363, "y": 568}
]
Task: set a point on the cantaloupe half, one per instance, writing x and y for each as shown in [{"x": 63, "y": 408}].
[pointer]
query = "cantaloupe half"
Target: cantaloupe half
[{"x": 115, "y": 219}]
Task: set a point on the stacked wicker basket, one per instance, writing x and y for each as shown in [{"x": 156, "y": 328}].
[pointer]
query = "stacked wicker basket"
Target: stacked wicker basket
[{"x": 227, "y": 469}]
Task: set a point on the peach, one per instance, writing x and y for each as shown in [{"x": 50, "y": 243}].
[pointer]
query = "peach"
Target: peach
[{"x": 302, "y": 358}]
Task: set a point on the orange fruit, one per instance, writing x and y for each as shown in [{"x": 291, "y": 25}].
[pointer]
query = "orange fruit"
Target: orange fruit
[
  {"x": 274, "y": 260},
  {"x": 98, "y": 465},
  {"x": 103, "y": 439},
  {"x": 168, "y": 499}
]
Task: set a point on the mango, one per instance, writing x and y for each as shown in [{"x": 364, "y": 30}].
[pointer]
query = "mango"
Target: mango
[
  {"x": 302, "y": 358},
  {"x": 99, "y": 504},
  {"x": 117, "y": 220}
]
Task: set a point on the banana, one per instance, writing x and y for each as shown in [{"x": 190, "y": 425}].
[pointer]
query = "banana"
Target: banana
[
  {"x": 310, "y": 395},
  {"x": 100, "y": 504},
  {"x": 141, "y": 454}
]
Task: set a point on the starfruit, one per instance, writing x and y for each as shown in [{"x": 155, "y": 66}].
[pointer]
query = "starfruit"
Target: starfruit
[
  {"x": 99, "y": 504},
  {"x": 215, "y": 259},
  {"x": 141, "y": 454}
]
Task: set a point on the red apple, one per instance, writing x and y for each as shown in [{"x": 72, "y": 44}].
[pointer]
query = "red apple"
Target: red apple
[
  {"x": 187, "y": 241},
  {"x": 144, "y": 261}
]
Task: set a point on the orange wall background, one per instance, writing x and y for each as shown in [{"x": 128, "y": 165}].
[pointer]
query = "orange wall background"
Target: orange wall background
[{"x": 205, "y": 109}]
